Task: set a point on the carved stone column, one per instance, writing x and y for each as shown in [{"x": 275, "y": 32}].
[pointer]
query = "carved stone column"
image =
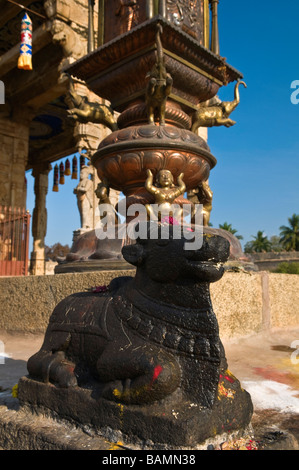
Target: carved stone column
[{"x": 39, "y": 219}]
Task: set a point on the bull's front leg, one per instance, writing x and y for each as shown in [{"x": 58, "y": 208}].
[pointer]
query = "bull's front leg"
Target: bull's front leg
[
  {"x": 50, "y": 364},
  {"x": 53, "y": 367},
  {"x": 138, "y": 375}
]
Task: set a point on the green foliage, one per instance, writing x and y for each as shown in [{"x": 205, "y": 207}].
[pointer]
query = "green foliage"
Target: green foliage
[
  {"x": 276, "y": 244},
  {"x": 288, "y": 268},
  {"x": 287, "y": 241},
  {"x": 228, "y": 228},
  {"x": 259, "y": 244},
  {"x": 289, "y": 236}
]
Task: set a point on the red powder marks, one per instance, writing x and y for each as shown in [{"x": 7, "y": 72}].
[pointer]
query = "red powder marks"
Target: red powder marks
[
  {"x": 99, "y": 289},
  {"x": 70, "y": 368},
  {"x": 227, "y": 377},
  {"x": 157, "y": 372},
  {"x": 271, "y": 373},
  {"x": 169, "y": 220}
]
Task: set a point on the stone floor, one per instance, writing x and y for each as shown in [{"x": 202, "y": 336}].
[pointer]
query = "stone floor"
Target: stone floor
[{"x": 267, "y": 365}]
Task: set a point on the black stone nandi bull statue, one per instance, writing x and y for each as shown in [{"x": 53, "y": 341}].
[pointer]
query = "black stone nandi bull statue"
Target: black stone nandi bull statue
[{"x": 144, "y": 339}]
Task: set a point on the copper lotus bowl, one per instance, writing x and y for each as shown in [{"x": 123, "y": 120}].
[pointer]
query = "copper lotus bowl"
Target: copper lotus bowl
[{"x": 124, "y": 157}]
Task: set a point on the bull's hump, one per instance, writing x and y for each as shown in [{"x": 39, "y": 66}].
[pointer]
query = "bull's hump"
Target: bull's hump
[{"x": 83, "y": 309}]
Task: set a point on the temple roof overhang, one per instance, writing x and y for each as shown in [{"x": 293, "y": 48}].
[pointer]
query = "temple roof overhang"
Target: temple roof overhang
[{"x": 37, "y": 95}]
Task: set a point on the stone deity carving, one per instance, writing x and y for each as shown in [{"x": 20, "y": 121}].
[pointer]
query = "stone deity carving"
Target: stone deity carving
[
  {"x": 67, "y": 38},
  {"x": 85, "y": 198}
]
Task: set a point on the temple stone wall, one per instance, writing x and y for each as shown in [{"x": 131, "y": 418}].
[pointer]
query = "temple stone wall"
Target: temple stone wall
[
  {"x": 271, "y": 260},
  {"x": 13, "y": 160},
  {"x": 245, "y": 304}
]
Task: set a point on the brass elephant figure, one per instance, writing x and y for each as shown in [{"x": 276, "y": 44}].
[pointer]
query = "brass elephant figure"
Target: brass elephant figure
[{"x": 218, "y": 114}]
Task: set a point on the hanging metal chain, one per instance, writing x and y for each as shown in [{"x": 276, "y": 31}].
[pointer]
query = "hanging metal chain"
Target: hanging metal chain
[{"x": 27, "y": 9}]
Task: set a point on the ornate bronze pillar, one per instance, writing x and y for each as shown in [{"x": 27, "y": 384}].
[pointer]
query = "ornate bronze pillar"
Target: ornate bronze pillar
[{"x": 122, "y": 71}]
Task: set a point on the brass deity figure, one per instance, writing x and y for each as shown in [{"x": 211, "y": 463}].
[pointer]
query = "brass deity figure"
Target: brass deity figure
[
  {"x": 103, "y": 194},
  {"x": 217, "y": 114},
  {"x": 202, "y": 195},
  {"x": 165, "y": 193}
]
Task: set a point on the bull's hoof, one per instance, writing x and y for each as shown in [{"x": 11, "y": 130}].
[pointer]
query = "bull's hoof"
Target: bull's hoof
[
  {"x": 62, "y": 373},
  {"x": 113, "y": 391}
]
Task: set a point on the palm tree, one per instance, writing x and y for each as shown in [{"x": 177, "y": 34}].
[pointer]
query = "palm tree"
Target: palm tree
[
  {"x": 228, "y": 228},
  {"x": 276, "y": 244},
  {"x": 260, "y": 244},
  {"x": 289, "y": 236}
]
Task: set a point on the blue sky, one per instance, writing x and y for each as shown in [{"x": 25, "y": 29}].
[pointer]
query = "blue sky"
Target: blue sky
[{"x": 256, "y": 179}]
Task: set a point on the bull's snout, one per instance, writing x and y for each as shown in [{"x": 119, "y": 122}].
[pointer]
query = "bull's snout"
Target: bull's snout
[
  {"x": 214, "y": 249},
  {"x": 206, "y": 263}
]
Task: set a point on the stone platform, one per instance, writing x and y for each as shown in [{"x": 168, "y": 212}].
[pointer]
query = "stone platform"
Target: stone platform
[
  {"x": 261, "y": 363},
  {"x": 20, "y": 429},
  {"x": 171, "y": 424}
]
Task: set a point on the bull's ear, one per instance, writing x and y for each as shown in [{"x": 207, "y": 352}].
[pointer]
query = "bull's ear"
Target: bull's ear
[{"x": 134, "y": 254}]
